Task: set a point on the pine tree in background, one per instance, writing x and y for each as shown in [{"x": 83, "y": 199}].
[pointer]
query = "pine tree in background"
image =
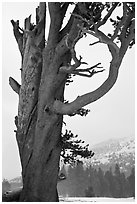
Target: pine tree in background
[
  {"x": 103, "y": 185},
  {"x": 89, "y": 192},
  {"x": 131, "y": 181},
  {"x": 110, "y": 180},
  {"x": 117, "y": 192},
  {"x": 90, "y": 182}
]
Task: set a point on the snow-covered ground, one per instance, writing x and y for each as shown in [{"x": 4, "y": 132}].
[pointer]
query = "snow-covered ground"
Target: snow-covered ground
[{"x": 95, "y": 199}]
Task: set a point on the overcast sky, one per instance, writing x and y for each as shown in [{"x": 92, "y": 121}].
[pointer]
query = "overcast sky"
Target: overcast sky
[{"x": 111, "y": 117}]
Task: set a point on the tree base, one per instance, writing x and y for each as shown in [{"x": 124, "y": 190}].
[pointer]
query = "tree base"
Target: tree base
[
  {"x": 11, "y": 196},
  {"x": 14, "y": 196}
]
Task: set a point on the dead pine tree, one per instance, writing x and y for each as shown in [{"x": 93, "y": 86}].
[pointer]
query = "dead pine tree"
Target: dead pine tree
[{"x": 46, "y": 68}]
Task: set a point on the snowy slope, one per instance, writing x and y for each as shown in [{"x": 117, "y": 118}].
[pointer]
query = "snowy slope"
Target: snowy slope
[
  {"x": 110, "y": 152},
  {"x": 16, "y": 183},
  {"x": 16, "y": 180}
]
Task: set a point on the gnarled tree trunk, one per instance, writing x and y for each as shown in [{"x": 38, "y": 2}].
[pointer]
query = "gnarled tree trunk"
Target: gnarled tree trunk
[
  {"x": 38, "y": 125},
  {"x": 38, "y": 128},
  {"x": 44, "y": 72}
]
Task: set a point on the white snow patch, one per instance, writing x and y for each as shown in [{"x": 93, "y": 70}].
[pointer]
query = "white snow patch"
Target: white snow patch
[
  {"x": 104, "y": 160},
  {"x": 95, "y": 199}
]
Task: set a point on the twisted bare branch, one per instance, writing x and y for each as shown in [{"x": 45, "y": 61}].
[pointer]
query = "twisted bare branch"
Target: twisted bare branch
[
  {"x": 88, "y": 72},
  {"x": 102, "y": 39},
  {"x": 70, "y": 108}
]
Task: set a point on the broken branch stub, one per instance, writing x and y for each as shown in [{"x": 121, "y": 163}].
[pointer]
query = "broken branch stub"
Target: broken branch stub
[{"x": 14, "y": 85}]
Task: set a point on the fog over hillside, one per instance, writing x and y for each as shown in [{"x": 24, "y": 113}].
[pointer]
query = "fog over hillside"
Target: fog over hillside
[{"x": 110, "y": 152}]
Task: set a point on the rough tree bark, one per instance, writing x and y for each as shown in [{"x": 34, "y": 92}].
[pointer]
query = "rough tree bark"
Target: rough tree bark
[{"x": 44, "y": 72}]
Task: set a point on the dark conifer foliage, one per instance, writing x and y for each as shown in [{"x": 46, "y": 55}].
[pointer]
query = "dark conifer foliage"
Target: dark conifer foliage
[
  {"x": 73, "y": 149},
  {"x": 89, "y": 182}
]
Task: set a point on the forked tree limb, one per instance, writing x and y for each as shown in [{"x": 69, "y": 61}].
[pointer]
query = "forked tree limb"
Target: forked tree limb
[
  {"x": 71, "y": 108},
  {"x": 102, "y": 39},
  {"x": 81, "y": 101},
  {"x": 88, "y": 74}
]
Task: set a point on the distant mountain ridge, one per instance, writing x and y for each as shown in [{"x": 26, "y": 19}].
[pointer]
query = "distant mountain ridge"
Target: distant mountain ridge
[{"x": 110, "y": 152}]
